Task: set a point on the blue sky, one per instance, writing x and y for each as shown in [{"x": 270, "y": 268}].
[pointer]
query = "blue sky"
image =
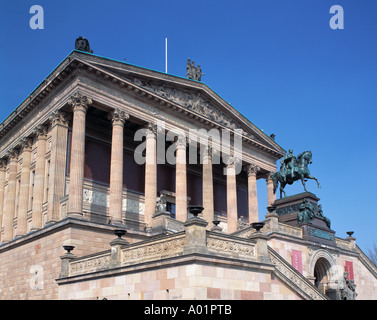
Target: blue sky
[{"x": 277, "y": 62}]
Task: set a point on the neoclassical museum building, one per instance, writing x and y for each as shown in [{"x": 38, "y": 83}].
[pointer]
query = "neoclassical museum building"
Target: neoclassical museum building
[{"x": 121, "y": 182}]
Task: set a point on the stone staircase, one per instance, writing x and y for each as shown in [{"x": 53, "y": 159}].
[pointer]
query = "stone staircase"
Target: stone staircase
[{"x": 294, "y": 279}]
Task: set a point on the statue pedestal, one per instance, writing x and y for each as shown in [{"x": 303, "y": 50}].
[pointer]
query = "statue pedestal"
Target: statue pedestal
[{"x": 315, "y": 227}]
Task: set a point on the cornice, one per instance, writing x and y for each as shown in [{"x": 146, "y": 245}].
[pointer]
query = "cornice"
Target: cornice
[{"x": 93, "y": 64}]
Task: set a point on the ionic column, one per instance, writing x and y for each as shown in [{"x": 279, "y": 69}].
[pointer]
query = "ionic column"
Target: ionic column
[
  {"x": 116, "y": 166},
  {"x": 3, "y": 166},
  {"x": 39, "y": 180},
  {"x": 24, "y": 188},
  {"x": 207, "y": 186},
  {"x": 231, "y": 196},
  {"x": 252, "y": 192},
  {"x": 10, "y": 203},
  {"x": 271, "y": 197},
  {"x": 80, "y": 106},
  {"x": 59, "y": 140},
  {"x": 181, "y": 179}
]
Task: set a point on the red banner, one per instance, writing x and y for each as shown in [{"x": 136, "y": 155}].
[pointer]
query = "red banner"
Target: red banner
[
  {"x": 349, "y": 269},
  {"x": 297, "y": 260}
]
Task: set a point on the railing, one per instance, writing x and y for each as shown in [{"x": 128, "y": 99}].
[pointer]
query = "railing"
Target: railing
[{"x": 178, "y": 244}]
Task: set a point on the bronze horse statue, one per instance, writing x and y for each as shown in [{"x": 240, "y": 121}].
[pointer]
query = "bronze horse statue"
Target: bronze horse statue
[{"x": 293, "y": 169}]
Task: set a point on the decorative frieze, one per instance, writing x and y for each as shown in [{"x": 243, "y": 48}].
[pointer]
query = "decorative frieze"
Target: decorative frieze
[
  {"x": 94, "y": 197},
  {"x": 90, "y": 264},
  {"x": 154, "y": 250},
  {"x": 230, "y": 246},
  {"x": 190, "y": 100}
]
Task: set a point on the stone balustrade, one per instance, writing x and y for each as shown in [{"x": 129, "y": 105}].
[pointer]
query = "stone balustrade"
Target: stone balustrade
[
  {"x": 195, "y": 239},
  {"x": 90, "y": 263}
]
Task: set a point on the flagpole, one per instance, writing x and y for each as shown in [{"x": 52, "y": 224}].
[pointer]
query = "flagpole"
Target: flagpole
[{"x": 166, "y": 55}]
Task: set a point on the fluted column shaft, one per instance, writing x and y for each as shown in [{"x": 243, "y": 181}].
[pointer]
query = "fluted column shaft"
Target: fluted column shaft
[
  {"x": 24, "y": 188},
  {"x": 271, "y": 197},
  {"x": 39, "y": 180},
  {"x": 116, "y": 166},
  {"x": 59, "y": 140},
  {"x": 80, "y": 106},
  {"x": 181, "y": 180},
  {"x": 150, "y": 174},
  {"x": 207, "y": 185},
  {"x": 10, "y": 203},
  {"x": 231, "y": 197},
  {"x": 252, "y": 192}
]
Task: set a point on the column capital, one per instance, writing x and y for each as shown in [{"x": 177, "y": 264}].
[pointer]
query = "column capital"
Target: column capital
[
  {"x": 207, "y": 152},
  {"x": 58, "y": 117},
  {"x": 3, "y": 164},
  {"x": 181, "y": 141},
  {"x": 118, "y": 117},
  {"x": 40, "y": 131},
  {"x": 26, "y": 144},
  {"x": 12, "y": 154},
  {"x": 252, "y": 169},
  {"x": 151, "y": 130},
  {"x": 268, "y": 176},
  {"x": 79, "y": 102},
  {"x": 231, "y": 162}
]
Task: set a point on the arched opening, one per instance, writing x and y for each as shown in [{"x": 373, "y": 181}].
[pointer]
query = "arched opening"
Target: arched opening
[{"x": 322, "y": 274}]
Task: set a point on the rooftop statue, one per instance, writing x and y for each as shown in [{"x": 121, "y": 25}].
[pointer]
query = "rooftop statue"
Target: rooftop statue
[
  {"x": 82, "y": 44},
  {"x": 293, "y": 169},
  {"x": 193, "y": 72}
]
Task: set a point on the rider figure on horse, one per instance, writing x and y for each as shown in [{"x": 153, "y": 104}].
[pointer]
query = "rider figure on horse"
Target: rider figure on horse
[{"x": 288, "y": 163}]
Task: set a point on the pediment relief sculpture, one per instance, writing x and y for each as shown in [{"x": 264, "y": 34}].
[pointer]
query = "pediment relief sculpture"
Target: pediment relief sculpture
[{"x": 193, "y": 101}]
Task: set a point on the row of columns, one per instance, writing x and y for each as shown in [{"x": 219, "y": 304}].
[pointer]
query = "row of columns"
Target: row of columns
[
  {"x": 59, "y": 132},
  {"x": 207, "y": 184},
  {"x": 22, "y": 153},
  {"x": 80, "y": 105}
]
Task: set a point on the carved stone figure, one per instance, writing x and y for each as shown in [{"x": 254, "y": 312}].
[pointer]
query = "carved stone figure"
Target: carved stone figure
[
  {"x": 306, "y": 213},
  {"x": 82, "y": 44},
  {"x": 320, "y": 214},
  {"x": 161, "y": 204},
  {"x": 347, "y": 288},
  {"x": 293, "y": 169},
  {"x": 193, "y": 72}
]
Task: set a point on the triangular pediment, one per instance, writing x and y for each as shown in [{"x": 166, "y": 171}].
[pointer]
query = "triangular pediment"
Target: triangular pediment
[
  {"x": 181, "y": 94},
  {"x": 192, "y": 95}
]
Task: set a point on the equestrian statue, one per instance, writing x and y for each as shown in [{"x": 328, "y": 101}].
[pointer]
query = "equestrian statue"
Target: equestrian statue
[{"x": 293, "y": 169}]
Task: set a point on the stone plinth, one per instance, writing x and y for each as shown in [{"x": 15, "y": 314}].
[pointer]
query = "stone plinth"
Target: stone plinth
[{"x": 315, "y": 228}]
